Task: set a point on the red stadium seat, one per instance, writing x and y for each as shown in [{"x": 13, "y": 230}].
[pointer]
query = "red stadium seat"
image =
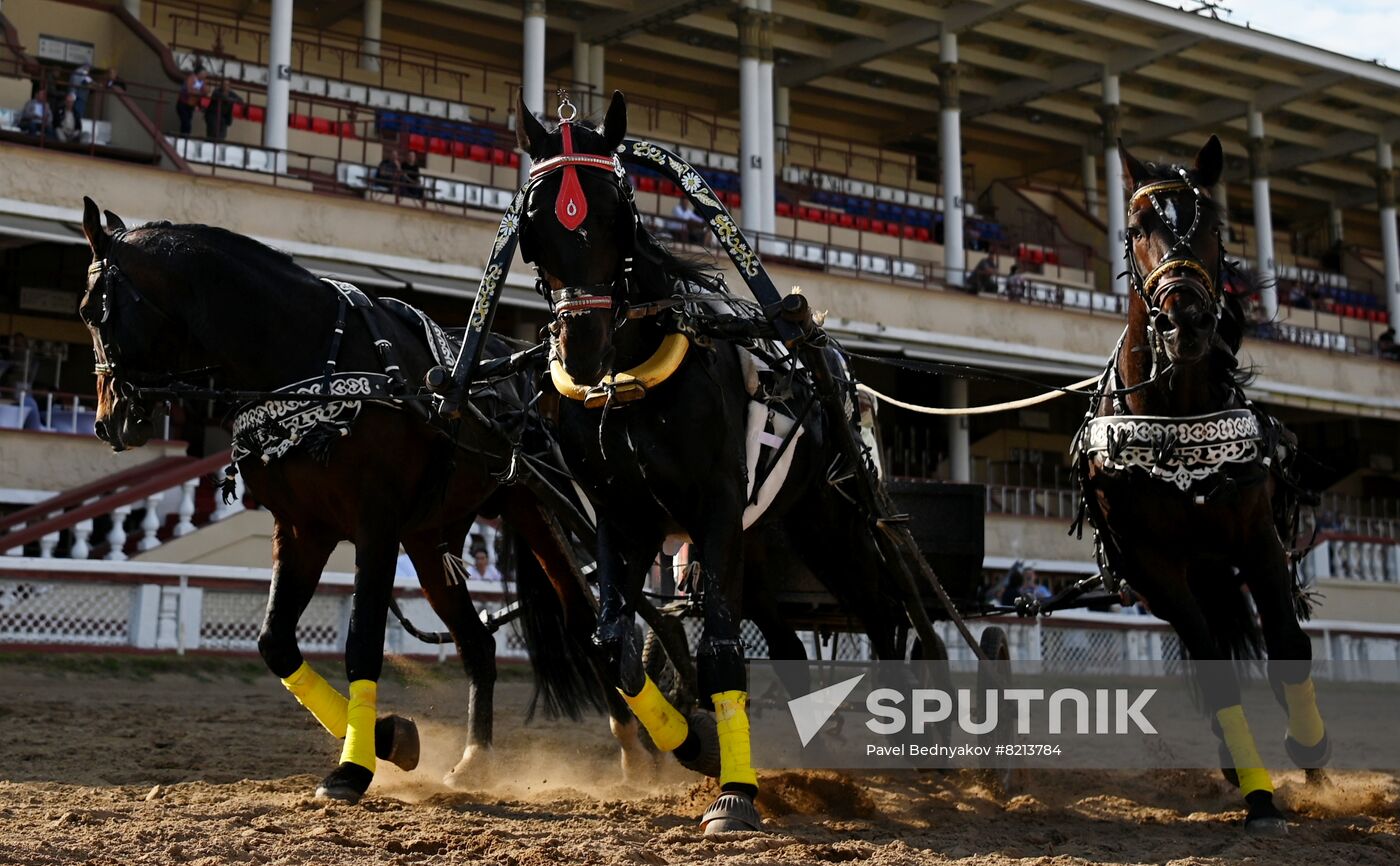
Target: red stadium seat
[
  {"x": 1052, "y": 258},
  {"x": 459, "y": 150},
  {"x": 646, "y": 184},
  {"x": 669, "y": 188},
  {"x": 863, "y": 223},
  {"x": 238, "y": 110},
  {"x": 513, "y": 159},
  {"x": 256, "y": 113},
  {"x": 923, "y": 234},
  {"x": 908, "y": 232},
  {"x": 418, "y": 143},
  {"x": 438, "y": 146},
  {"x": 784, "y": 209},
  {"x": 732, "y": 199},
  {"x": 892, "y": 229},
  {"x": 321, "y": 125},
  {"x": 299, "y": 121},
  {"x": 831, "y": 217},
  {"x": 499, "y": 157},
  {"x": 877, "y": 226},
  {"x": 478, "y": 153},
  {"x": 847, "y": 221},
  {"x": 347, "y": 129}
]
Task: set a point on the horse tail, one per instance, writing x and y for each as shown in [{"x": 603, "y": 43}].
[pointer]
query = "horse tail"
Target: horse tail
[{"x": 565, "y": 682}]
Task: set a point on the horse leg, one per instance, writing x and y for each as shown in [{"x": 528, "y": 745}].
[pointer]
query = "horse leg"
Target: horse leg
[
  {"x": 722, "y": 677},
  {"x": 1221, "y": 689},
  {"x": 476, "y": 646},
  {"x": 376, "y": 554},
  {"x": 1290, "y": 653},
  {"x": 298, "y": 557}
]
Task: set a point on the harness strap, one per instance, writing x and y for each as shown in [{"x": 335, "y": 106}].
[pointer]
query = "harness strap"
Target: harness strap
[{"x": 337, "y": 333}]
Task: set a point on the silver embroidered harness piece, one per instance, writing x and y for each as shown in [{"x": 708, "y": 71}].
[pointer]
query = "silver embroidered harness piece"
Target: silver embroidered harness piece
[{"x": 1181, "y": 451}]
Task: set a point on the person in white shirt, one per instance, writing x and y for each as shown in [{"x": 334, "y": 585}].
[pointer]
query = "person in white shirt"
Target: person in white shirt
[
  {"x": 689, "y": 225},
  {"x": 481, "y": 567}
]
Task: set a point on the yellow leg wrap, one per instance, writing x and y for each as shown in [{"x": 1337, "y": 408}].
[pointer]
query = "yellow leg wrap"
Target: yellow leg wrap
[
  {"x": 319, "y": 697},
  {"x": 359, "y": 734},
  {"x": 1304, "y": 721},
  {"x": 1240, "y": 742},
  {"x": 664, "y": 723},
  {"x": 732, "y": 719}
]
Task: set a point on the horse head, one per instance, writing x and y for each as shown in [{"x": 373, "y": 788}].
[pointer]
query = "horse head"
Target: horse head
[
  {"x": 578, "y": 228},
  {"x": 130, "y": 334},
  {"x": 1176, "y": 259}
]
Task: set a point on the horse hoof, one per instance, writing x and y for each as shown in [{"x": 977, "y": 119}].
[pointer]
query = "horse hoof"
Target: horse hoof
[
  {"x": 1318, "y": 778},
  {"x": 472, "y": 771},
  {"x": 396, "y": 741},
  {"x": 1309, "y": 757},
  {"x": 706, "y": 760},
  {"x": 346, "y": 783},
  {"x": 1266, "y": 826},
  {"x": 731, "y": 812}
]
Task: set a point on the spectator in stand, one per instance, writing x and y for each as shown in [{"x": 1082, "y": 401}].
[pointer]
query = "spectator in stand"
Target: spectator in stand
[
  {"x": 984, "y": 277},
  {"x": 36, "y": 118},
  {"x": 972, "y": 235},
  {"x": 1298, "y": 297},
  {"x": 78, "y": 84},
  {"x": 68, "y": 123},
  {"x": 1386, "y": 345},
  {"x": 114, "y": 81},
  {"x": 412, "y": 179},
  {"x": 481, "y": 567},
  {"x": 388, "y": 175},
  {"x": 218, "y": 117},
  {"x": 1015, "y": 283},
  {"x": 191, "y": 93},
  {"x": 688, "y": 225}
]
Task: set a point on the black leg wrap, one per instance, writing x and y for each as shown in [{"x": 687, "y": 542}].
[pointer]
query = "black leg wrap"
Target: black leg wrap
[
  {"x": 346, "y": 783},
  {"x": 396, "y": 741},
  {"x": 622, "y": 650},
  {"x": 281, "y": 656},
  {"x": 1309, "y": 757}
]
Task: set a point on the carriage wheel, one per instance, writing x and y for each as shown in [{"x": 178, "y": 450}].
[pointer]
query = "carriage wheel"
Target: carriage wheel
[
  {"x": 995, "y": 673},
  {"x": 658, "y": 665}
]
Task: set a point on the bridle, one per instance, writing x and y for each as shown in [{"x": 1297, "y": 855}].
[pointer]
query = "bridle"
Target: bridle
[{"x": 571, "y": 210}]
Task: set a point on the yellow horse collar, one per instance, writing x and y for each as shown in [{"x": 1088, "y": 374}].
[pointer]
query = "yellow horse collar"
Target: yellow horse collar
[{"x": 627, "y": 386}]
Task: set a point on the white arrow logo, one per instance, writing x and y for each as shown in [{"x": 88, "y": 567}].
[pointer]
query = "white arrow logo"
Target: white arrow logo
[{"x": 811, "y": 711}]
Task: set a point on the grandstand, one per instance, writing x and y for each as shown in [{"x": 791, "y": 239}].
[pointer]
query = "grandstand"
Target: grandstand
[{"x": 879, "y": 150}]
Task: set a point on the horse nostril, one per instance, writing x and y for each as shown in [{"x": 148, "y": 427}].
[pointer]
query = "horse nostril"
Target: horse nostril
[{"x": 1164, "y": 323}]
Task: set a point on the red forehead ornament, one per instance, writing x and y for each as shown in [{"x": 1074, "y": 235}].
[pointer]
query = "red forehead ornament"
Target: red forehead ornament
[{"x": 571, "y": 206}]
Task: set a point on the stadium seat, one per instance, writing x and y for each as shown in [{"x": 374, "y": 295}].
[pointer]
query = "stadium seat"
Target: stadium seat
[
  {"x": 438, "y": 146},
  {"x": 784, "y": 209},
  {"x": 923, "y": 234},
  {"x": 499, "y": 157},
  {"x": 459, "y": 150},
  {"x": 513, "y": 159},
  {"x": 417, "y": 142},
  {"x": 256, "y": 113},
  {"x": 347, "y": 129},
  {"x": 646, "y": 184},
  {"x": 321, "y": 125},
  {"x": 478, "y": 153},
  {"x": 238, "y": 111},
  {"x": 299, "y": 121}
]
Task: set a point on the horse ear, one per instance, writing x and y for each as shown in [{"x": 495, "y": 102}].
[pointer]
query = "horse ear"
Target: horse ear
[
  {"x": 615, "y": 125},
  {"x": 529, "y": 132},
  {"x": 1134, "y": 172},
  {"x": 1210, "y": 162},
  {"x": 114, "y": 222},
  {"x": 97, "y": 237}
]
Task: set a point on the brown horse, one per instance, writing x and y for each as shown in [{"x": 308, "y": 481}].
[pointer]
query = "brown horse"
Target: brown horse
[
  {"x": 1187, "y": 484},
  {"x": 163, "y": 298}
]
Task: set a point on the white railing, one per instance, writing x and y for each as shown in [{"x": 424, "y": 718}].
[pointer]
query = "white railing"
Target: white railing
[
  {"x": 47, "y": 603},
  {"x": 1353, "y": 557}
]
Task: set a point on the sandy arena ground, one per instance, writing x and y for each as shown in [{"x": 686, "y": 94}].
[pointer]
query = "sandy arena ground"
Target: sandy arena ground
[{"x": 210, "y": 762}]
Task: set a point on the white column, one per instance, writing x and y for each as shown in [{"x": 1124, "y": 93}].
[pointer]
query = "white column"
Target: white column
[
  {"x": 1263, "y": 218},
  {"x": 1114, "y": 196},
  {"x": 370, "y": 33},
  {"x": 1221, "y": 194},
  {"x": 582, "y": 91},
  {"x": 279, "y": 79},
  {"x": 134, "y": 7},
  {"x": 1089, "y": 169},
  {"x": 950, "y": 150},
  {"x": 596, "y": 59},
  {"x": 959, "y": 438},
  {"x": 532, "y": 69},
  {"x": 751, "y": 137},
  {"x": 1390, "y": 244},
  {"x": 767, "y": 118},
  {"x": 1336, "y": 222}
]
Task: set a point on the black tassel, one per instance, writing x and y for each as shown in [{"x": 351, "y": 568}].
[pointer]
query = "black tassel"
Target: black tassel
[{"x": 228, "y": 487}]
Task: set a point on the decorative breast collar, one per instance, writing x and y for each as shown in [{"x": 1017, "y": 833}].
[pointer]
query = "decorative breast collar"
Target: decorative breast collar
[{"x": 1181, "y": 451}]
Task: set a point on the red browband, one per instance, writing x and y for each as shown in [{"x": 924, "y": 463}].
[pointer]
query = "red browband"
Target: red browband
[
  {"x": 571, "y": 207},
  {"x": 583, "y": 302}
]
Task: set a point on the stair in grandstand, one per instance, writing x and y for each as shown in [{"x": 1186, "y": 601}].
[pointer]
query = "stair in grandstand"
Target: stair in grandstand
[{"x": 122, "y": 514}]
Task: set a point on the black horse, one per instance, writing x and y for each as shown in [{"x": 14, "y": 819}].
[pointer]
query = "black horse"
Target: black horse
[
  {"x": 1187, "y": 484},
  {"x": 165, "y": 298},
  {"x": 654, "y": 425}
]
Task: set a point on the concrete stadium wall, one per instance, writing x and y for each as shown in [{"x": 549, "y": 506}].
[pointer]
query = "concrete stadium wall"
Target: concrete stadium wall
[
  {"x": 30, "y": 460},
  {"x": 245, "y": 540}
]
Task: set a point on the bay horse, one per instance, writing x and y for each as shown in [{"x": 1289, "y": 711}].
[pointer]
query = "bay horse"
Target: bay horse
[
  {"x": 1188, "y": 485},
  {"x": 661, "y": 448},
  {"x": 163, "y": 298}
]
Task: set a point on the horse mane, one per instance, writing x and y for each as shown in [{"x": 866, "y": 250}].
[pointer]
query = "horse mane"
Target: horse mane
[
  {"x": 655, "y": 264},
  {"x": 253, "y": 259}
]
